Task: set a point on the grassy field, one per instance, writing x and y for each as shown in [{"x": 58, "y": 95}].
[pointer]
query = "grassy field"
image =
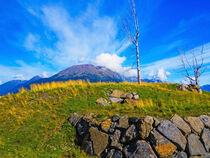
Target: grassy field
[{"x": 34, "y": 123}]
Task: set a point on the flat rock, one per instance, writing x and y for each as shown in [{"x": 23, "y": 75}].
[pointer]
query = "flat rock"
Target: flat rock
[
  {"x": 205, "y": 136},
  {"x": 123, "y": 122},
  {"x": 139, "y": 149},
  {"x": 115, "y": 140},
  {"x": 102, "y": 102},
  {"x": 206, "y": 120},
  {"x": 163, "y": 146},
  {"x": 130, "y": 101},
  {"x": 130, "y": 134},
  {"x": 145, "y": 126},
  {"x": 181, "y": 124},
  {"x": 105, "y": 125},
  {"x": 99, "y": 139},
  {"x": 115, "y": 100},
  {"x": 194, "y": 146},
  {"x": 117, "y": 94},
  {"x": 74, "y": 119},
  {"x": 170, "y": 131},
  {"x": 195, "y": 123}
]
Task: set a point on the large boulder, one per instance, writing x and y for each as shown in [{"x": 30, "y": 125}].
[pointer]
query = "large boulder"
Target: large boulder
[
  {"x": 195, "y": 123},
  {"x": 139, "y": 149},
  {"x": 145, "y": 126},
  {"x": 205, "y": 136},
  {"x": 74, "y": 119},
  {"x": 194, "y": 146},
  {"x": 181, "y": 124},
  {"x": 123, "y": 122},
  {"x": 162, "y": 146},
  {"x": 206, "y": 120},
  {"x": 118, "y": 94},
  {"x": 115, "y": 140},
  {"x": 130, "y": 134},
  {"x": 99, "y": 139},
  {"x": 170, "y": 131},
  {"x": 105, "y": 125}
]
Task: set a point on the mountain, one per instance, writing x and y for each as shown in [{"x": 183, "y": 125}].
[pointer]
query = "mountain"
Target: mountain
[
  {"x": 87, "y": 72},
  {"x": 14, "y": 85},
  {"x": 206, "y": 87},
  {"x": 9, "y": 86},
  {"x": 84, "y": 72},
  {"x": 134, "y": 79}
]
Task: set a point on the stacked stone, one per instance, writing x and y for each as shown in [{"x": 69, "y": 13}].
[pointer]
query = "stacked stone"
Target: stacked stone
[
  {"x": 123, "y": 137},
  {"x": 119, "y": 96}
]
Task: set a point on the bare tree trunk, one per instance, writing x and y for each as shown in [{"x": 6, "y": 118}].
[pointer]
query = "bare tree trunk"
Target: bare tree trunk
[
  {"x": 138, "y": 65},
  {"x": 130, "y": 26}
]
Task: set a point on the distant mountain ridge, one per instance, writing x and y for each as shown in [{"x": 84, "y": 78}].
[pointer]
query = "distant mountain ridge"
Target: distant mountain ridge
[
  {"x": 84, "y": 72},
  {"x": 206, "y": 87}
]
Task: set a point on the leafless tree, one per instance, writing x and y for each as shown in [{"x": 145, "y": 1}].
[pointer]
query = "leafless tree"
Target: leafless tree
[
  {"x": 130, "y": 26},
  {"x": 193, "y": 66}
]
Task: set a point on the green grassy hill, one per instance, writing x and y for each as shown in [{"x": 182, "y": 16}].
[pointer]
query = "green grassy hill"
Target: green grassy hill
[{"x": 34, "y": 123}]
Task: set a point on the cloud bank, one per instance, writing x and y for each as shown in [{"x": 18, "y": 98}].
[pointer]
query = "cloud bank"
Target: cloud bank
[
  {"x": 78, "y": 39},
  {"x": 114, "y": 62}
]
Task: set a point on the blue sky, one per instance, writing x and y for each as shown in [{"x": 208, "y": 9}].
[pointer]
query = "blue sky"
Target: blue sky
[{"x": 43, "y": 37}]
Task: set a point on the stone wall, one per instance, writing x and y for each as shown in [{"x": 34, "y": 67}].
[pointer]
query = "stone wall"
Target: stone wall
[{"x": 123, "y": 137}]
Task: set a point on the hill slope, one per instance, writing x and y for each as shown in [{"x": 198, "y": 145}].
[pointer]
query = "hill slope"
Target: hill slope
[{"x": 34, "y": 124}]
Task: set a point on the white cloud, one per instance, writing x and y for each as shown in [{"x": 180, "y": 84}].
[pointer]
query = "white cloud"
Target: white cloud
[
  {"x": 31, "y": 42},
  {"x": 22, "y": 71},
  {"x": 79, "y": 39},
  {"x": 174, "y": 62},
  {"x": 173, "y": 65},
  {"x": 19, "y": 77},
  {"x": 114, "y": 62},
  {"x": 45, "y": 74},
  {"x": 159, "y": 74}
]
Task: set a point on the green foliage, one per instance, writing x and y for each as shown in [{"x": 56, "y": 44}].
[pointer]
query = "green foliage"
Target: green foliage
[{"x": 34, "y": 123}]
